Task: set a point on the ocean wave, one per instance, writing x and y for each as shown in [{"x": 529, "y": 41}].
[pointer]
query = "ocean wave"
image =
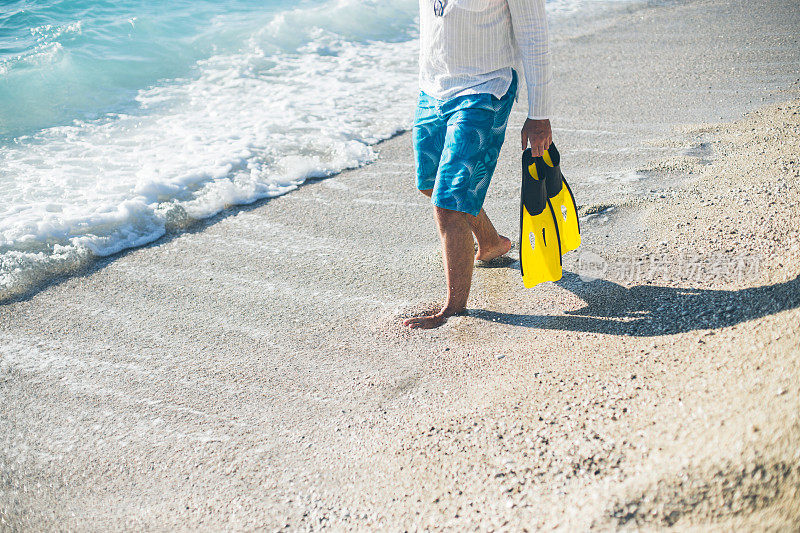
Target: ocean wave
[{"x": 245, "y": 126}]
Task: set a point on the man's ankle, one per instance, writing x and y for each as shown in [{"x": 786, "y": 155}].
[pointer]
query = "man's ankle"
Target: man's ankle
[{"x": 449, "y": 311}]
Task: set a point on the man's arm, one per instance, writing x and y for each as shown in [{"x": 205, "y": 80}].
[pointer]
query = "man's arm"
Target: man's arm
[{"x": 529, "y": 21}]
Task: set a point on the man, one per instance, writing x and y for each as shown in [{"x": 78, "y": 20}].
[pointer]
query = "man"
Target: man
[{"x": 468, "y": 51}]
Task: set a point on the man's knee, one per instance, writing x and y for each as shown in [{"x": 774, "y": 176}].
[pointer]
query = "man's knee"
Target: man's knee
[
  {"x": 447, "y": 218},
  {"x": 427, "y": 192}
]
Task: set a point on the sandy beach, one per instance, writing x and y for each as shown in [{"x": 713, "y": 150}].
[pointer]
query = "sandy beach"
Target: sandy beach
[{"x": 251, "y": 373}]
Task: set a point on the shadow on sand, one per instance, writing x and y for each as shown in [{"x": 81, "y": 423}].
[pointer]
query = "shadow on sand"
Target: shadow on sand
[{"x": 652, "y": 310}]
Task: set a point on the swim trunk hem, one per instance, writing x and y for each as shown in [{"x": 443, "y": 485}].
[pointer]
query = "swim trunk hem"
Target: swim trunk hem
[{"x": 455, "y": 208}]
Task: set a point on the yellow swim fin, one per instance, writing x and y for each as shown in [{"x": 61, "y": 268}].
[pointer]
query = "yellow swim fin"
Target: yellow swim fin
[
  {"x": 560, "y": 195},
  {"x": 540, "y": 248}
]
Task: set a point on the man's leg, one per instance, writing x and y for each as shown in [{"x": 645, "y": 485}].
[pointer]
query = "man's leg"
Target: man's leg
[
  {"x": 465, "y": 159},
  {"x": 457, "y": 255},
  {"x": 490, "y": 243}
]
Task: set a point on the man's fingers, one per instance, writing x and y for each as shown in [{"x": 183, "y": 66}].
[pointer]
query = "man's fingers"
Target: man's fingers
[
  {"x": 538, "y": 146},
  {"x": 539, "y": 141}
]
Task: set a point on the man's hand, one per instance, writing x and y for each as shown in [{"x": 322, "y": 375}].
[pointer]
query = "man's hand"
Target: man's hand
[{"x": 538, "y": 134}]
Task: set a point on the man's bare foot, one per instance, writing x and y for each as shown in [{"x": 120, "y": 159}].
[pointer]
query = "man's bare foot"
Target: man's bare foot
[
  {"x": 425, "y": 322},
  {"x": 501, "y": 248},
  {"x": 431, "y": 321}
]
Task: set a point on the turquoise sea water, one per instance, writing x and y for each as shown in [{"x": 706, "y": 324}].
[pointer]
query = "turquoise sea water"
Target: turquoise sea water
[
  {"x": 62, "y": 60},
  {"x": 122, "y": 119}
]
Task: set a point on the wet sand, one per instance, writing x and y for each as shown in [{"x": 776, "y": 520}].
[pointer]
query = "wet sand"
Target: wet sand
[{"x": 252, "y": 373}]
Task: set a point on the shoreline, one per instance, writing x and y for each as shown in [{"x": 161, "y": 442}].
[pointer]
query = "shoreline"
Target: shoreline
[{"x": 253, "y": 374}]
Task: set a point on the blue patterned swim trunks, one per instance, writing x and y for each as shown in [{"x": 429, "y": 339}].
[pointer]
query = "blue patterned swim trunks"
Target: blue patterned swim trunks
[{"x": 456, "y": 145}]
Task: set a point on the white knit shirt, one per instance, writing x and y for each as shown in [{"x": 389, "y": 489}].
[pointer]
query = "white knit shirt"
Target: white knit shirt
[{"x": 474, "y": 45}]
